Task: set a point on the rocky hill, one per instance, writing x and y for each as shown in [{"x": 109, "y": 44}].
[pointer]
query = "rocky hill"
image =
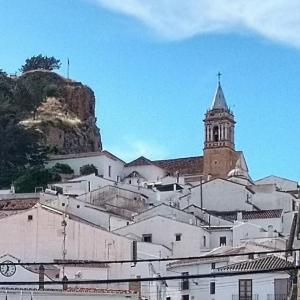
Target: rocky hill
[{"x": 63, "y": 110}]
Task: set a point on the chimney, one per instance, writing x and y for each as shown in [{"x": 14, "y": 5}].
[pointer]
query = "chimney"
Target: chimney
[
  {"x": 239, "y": 216},
  {"x": 41, "y": 277},
  {"x": 270, "y": 231},
  {"x": 65, "y": 283}
]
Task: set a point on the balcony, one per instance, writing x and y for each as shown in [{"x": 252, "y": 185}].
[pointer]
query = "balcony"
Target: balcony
[{"x": 238, "y": 297}]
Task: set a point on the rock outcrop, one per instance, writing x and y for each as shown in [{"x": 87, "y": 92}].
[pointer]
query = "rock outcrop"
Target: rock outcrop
[{"x": 64, "y": 112}]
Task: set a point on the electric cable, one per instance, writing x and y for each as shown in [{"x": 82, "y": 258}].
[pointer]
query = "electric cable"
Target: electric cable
[{"x": 191, "y": 258}]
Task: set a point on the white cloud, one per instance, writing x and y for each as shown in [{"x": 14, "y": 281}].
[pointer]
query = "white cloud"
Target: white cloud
[
  {"x": 131, "y": 148},
  {"x": 179, "y": 19}
]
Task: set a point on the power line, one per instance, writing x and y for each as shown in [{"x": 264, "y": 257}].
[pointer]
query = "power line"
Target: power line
[
  {"x": 104, "y": 262},
  {"x": 162, "y": 278}
]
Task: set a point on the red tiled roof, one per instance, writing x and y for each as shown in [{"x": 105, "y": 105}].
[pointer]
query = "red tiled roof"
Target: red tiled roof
[
  {"x": 97, "y": 290},
  {"x": 17, "y": 204},
  {"x": 185, "y": 166}
]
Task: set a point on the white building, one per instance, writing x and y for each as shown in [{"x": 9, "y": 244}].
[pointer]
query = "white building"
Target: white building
[
  {"x": 211, "y": 194},
  {"x": 43, "y": 234},
  {"x": 108, "y": 165},
  {"x": 261, "y": 286},
  {"x": 181, "y": 238}
]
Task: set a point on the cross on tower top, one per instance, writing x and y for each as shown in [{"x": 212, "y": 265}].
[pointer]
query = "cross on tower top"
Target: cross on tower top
[{"x": 219, "y": 76}]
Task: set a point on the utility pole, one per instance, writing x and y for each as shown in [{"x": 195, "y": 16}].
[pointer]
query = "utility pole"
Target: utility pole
[{"x": 64, "y": 252}]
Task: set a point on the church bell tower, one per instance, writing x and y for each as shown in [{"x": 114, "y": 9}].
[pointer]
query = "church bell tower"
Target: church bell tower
[{"x": 219, "y": 150}]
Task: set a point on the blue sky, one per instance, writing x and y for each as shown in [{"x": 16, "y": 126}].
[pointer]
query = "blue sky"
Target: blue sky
[{"x": 153, "y": 66}]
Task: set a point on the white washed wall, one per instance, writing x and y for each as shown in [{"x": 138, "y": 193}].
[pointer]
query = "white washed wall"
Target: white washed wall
[
  {"x": 163, "y": 232},
  {"x": 219, "y": 195}
]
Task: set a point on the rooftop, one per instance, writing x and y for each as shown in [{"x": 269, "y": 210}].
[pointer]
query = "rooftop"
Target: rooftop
[{"x": 264, "y": 263}]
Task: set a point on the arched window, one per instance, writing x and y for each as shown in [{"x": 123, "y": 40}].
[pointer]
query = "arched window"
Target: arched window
[{"x": 216, "y": 133}]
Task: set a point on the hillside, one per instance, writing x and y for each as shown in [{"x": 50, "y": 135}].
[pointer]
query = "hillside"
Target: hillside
[{"x": 61, "y": 109}]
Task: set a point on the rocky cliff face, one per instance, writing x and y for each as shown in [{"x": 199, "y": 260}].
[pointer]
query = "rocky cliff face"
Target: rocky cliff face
[{"x": 64, "y": 112}]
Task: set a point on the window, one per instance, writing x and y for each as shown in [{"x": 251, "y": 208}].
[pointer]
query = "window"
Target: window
[
  {"x": 212, "y": 288},
  {"x": 216, "y": 133},
  {"x": 29, "y": 217},
  {"x": 78, "y": 206},
  {"x": 185, "y": 281},
  {"x": 204, "y": 241},
  {"x": 168, "y": 298},
  {"x": 134, "y": 250},
  {"x": 109, "y": 171},
  {"x": 147, "y": 238},
  {"x": 185, "y": 297},
  {"x": 222, "y": 240},
  {"x": 178, "y": 237},
  {"x": 213, "y": 266},
  {"x": 245, "y": 289},
  {"x": 129, "y": 181},
  {"x": 63, "y": 204}
]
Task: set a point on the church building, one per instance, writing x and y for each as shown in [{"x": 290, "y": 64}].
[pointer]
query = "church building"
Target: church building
[{"x": 219, "y": 160}]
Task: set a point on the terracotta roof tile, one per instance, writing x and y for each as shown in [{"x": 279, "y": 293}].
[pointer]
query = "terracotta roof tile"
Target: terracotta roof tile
[
  {"x": 262, "y": 214},
  {"x": 185, "y": 166},
  {"x": 248, "y": 215},
  {"x": 265, "y": 263},
  {"x": 17, "y": 204}
]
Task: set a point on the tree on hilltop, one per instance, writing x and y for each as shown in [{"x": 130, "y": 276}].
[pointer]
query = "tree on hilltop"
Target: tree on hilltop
[{"x": 40, "y": 62}]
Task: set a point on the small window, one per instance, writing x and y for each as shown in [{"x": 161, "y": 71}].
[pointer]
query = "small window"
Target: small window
[
  {"x": 185, "y": 297},
  {"x": 222, "y": 240},
  {"x": 178, "y": 237},
  {"x": 147, "y": 238},
  {"x": 213, "y": 266},
  {"x": 63, "y": 204},
  {"x": 204, "y": 241},
  {"x": 212, "y": 288},
  {"x": 29, "y": 217},
  {"x": 129, "y": 181},
  {"x": 185, "y": 281},
  {"x": 168, "y": 298},
  {"x": 78, "y": 206},
  {"x": 134, "y": 250},
  {"x": 109, "y": 171}
]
